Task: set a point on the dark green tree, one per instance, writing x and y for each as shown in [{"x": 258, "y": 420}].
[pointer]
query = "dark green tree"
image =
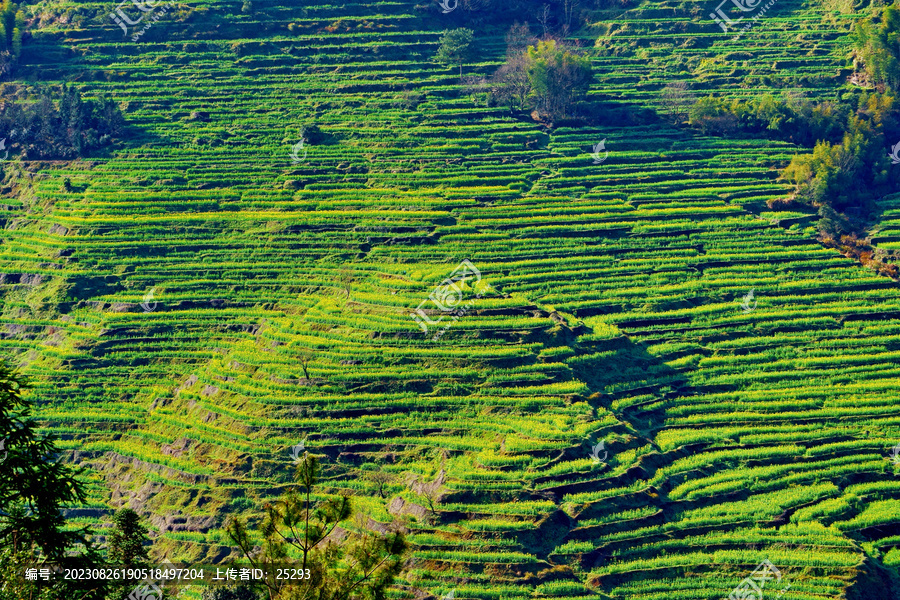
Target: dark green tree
[
  {"x": 793, "y": 119},
  {"x": 455, "y": 48},
  {"x": 715, "y": 115},
  {"x": 127, "y": 547},
  {"x": 59, "y": 123},
  {"x": 847, "y": 177},
  {"x": 34, "y": 488},
  {"x": 107, "y": 117},
  {"x": 128, "y": 540}
]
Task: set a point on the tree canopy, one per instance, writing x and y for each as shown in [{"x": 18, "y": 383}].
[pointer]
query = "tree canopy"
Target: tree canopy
[
  {"x": 12, "y": 25},
  {"x": 546, "y": 76},
  {"x": 845, "y": 176},
  {"x": 58, "y": 123},
  {"x": 455, "y": 48},
  {"x": 558, "y": 76},
  {"x": 877, "y": 46},
  {"x": 127, "y": 548},
  {"x": 34, "y": 487}
]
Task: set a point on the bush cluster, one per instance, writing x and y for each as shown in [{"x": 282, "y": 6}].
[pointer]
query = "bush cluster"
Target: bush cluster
[{"x": 58, "y": 124}]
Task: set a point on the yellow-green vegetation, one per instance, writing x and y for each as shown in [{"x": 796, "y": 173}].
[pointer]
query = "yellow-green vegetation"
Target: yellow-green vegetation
[{"x": 669, "y": 379}]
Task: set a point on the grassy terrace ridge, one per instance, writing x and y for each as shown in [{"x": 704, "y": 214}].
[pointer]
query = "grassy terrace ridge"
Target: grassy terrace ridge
[{"x": 615, "y": 309}]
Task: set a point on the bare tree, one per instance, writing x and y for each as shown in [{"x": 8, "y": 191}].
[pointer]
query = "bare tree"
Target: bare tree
[
  {"x": 544, "y": 20},
  {"x": 432, "y": 496},
  {"x": 474, "y": 86},
  {"x": 345, "y": 278},
  {"x": 380, "y": 479},
  {"x": 677, "y": 100},
  {"x": 518, "y": 38},
  {"x": 510, "y": 85},
  {"x": 304, "y": 357},
  {"x": 570, "y": 7}
]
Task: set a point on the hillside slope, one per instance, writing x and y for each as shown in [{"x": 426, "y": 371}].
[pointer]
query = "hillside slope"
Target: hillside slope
[{"x": 735, "y": 429}]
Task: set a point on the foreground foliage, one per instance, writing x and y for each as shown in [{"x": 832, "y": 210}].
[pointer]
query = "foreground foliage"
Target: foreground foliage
[
  {"x": 620, "y": 314},
  {"x": 299, "y": 533},
  {"x": 34, "y": 487}
]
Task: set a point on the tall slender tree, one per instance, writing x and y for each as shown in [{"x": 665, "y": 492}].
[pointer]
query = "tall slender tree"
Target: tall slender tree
[
  {"x": 297, "y": 532},
  {"x": 12, "y": 24},
  {"x": 127, "y": 547},
  {"x": 34, "y": 488},
  {"x": 877, "y": 47}
]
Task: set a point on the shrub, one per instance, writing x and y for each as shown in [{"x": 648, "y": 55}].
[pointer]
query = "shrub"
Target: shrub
[{"x": 557, "y": 76}]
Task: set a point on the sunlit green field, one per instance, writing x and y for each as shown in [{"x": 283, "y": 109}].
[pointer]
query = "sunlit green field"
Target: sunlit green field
[{"x": 736, "y": 427}]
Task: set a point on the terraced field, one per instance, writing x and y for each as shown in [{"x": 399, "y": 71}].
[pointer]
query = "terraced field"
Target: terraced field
[{"x": 167, "y": 301}]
